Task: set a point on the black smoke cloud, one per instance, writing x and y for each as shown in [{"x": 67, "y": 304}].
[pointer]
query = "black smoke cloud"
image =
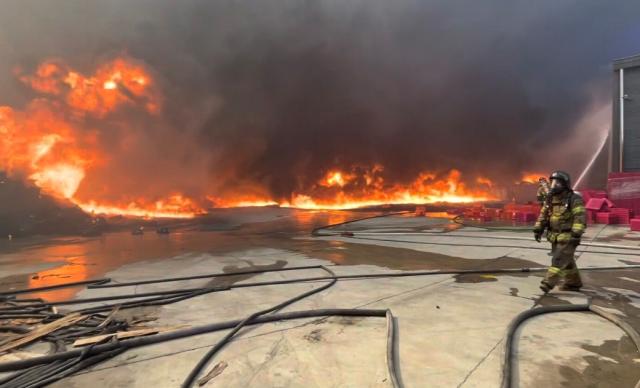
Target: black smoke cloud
[{"x": 274, "y": 93}]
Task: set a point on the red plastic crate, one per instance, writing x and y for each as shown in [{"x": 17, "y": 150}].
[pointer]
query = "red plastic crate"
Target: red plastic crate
[
  {"x": 635, "y": 224},
  {"x": 588, "y": 194},
  {"x": 623, "y": 216},
  {"x": 624, "y": 190},
  {"x": 493, "y": 212},
  {"x": 598, "y": 204},
  {"x": 605, "y": 218},
  {"x": 620, "y": 210},
  {"x": 525, "y": 216}
]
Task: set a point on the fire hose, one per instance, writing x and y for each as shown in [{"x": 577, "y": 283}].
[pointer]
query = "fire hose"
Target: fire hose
[
  {"x": 205, "y": 360},
  {"x": 507, "y": 367},
  {"x": 65, "y": 363},
  {"x": 84, "y": 359},
  {"x": 317, "y": 233},
  {"x": 183, "y": 292}
]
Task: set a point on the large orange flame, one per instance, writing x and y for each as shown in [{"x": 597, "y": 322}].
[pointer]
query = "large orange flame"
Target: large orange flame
[
  {"x": 51, "y": 143},
  {"x": 532, "y": 177},
  {"x": 349, "y": 190}
]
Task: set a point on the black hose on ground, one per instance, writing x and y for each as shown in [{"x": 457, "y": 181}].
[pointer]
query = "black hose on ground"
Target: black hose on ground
[
  {"x": 190, "y": 380},
  {"x": 54, "y": 286},
  {"x": 101, "y": 283},
  {"x": 316, "y": 231},
  {"x": 134, "y": 343},
  {"x": 42, "y": 375},
  {"x": 457, "y": 219},
  {"x": 182, "y": 333},
  {"x": 157, "y": 301},
  {"x": 166, "y": 293},
  {"x": 541, "y": 248},
  {"x": 185, "y": 293},
  {"x": 507, "y": 368},
  {"x": 212, "y": 275},
  {"x": 392, "y": 346}
]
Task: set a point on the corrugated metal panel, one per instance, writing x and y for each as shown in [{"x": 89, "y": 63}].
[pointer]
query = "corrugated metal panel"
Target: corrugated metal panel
[{"x": 631, "y": 151}]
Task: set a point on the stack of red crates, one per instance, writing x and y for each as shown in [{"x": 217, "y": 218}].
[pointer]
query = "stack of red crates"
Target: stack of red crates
[
  {"x": 493, "y": 212},
  {"x": 588, "y": 194},
  {"x": 456, "y": 212},
  {"x": 525, "y": 217},
  {"x": 595, "y": 205},
  {"x": 621, "y": 215},
  {"x": 624, "y": 190},
  {"x": 521, "y": 212},
  {"x": 605, "y": 218}
]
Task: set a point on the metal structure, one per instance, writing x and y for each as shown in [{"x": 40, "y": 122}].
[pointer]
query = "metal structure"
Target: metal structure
[{"x": 625, "y": 130}]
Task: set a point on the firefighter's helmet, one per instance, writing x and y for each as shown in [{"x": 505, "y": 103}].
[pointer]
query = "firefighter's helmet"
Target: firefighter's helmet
[{"x": 561, "y": 176}]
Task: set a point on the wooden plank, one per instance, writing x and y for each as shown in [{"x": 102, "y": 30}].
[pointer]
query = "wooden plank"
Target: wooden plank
[
  {"x": 125, "y": 334},
  {"x": 219, "y": 368},
  {"x": 42, "y": 330},
  {"x": 110, "y": 317}
]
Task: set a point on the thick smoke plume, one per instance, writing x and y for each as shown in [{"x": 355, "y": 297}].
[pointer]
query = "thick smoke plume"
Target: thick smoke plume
[{"x": 265, "y": 98}]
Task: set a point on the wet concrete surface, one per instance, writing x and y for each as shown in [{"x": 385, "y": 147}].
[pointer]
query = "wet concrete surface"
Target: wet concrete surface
[
  {"x": 43, "y": 263},
  {"x": 608, "y": 367},
  {"x": 450, "y": 326},
  {"x": 230, "y": 280}
]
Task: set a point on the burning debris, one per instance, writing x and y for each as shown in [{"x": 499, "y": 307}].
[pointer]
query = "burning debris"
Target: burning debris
[
  {"x": 120, "y": 126},
  {"x": 52, "y": 144}
]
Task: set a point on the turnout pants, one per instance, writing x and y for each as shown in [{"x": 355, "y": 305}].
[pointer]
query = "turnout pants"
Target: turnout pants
[{"x": 563, "y": 266}]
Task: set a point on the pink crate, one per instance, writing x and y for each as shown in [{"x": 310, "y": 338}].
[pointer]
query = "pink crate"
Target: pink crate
[
  {"x": 598, "y": 204},
  {"x": 605, "y": 218},
  {"x": 588, "y": 194},
  {"x": 525, "y": 216},
  {"x": 623, "y": 216},
  {"x": 624, "y": 190},
  {"x": 620, "y": 210},
  {"x": 635, "y": 224}
]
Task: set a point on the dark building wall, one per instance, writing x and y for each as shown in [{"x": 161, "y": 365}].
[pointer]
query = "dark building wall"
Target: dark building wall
[
  {"x": 631, "y": 151},
  {"x": 631, "y": 142}
]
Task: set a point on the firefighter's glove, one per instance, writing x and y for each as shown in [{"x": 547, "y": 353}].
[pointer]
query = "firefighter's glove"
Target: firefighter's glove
[
  {"x": 537, "y": 234},
  {"x": 575, "y": 239}
]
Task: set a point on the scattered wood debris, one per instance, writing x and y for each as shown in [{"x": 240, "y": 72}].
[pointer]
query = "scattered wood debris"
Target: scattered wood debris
[
  {"x": 125, "y": 334},
  {"x": 216, "y": 371},
  {"x": 42, "y": 330}
]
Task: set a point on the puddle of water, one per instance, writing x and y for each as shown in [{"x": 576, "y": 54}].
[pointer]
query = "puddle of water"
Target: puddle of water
[{"x": 82, "y": 258}]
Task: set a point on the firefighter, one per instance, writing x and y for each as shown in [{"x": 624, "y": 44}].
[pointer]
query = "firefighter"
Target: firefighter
[
  {"x": 543, "y": 190},
  {"x": 563, "y": 217}
]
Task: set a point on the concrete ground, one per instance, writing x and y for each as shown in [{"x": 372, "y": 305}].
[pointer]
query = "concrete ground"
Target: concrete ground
[{"x": 451, "y": 327}]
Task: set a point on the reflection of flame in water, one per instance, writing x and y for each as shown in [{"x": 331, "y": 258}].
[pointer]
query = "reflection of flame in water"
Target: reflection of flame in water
[
  {"x": 308, "y": 219},
  {"x": 74, "y": 271},
  {"x": 336, "y": 217},
  {"x": 336, "y": 254}
]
